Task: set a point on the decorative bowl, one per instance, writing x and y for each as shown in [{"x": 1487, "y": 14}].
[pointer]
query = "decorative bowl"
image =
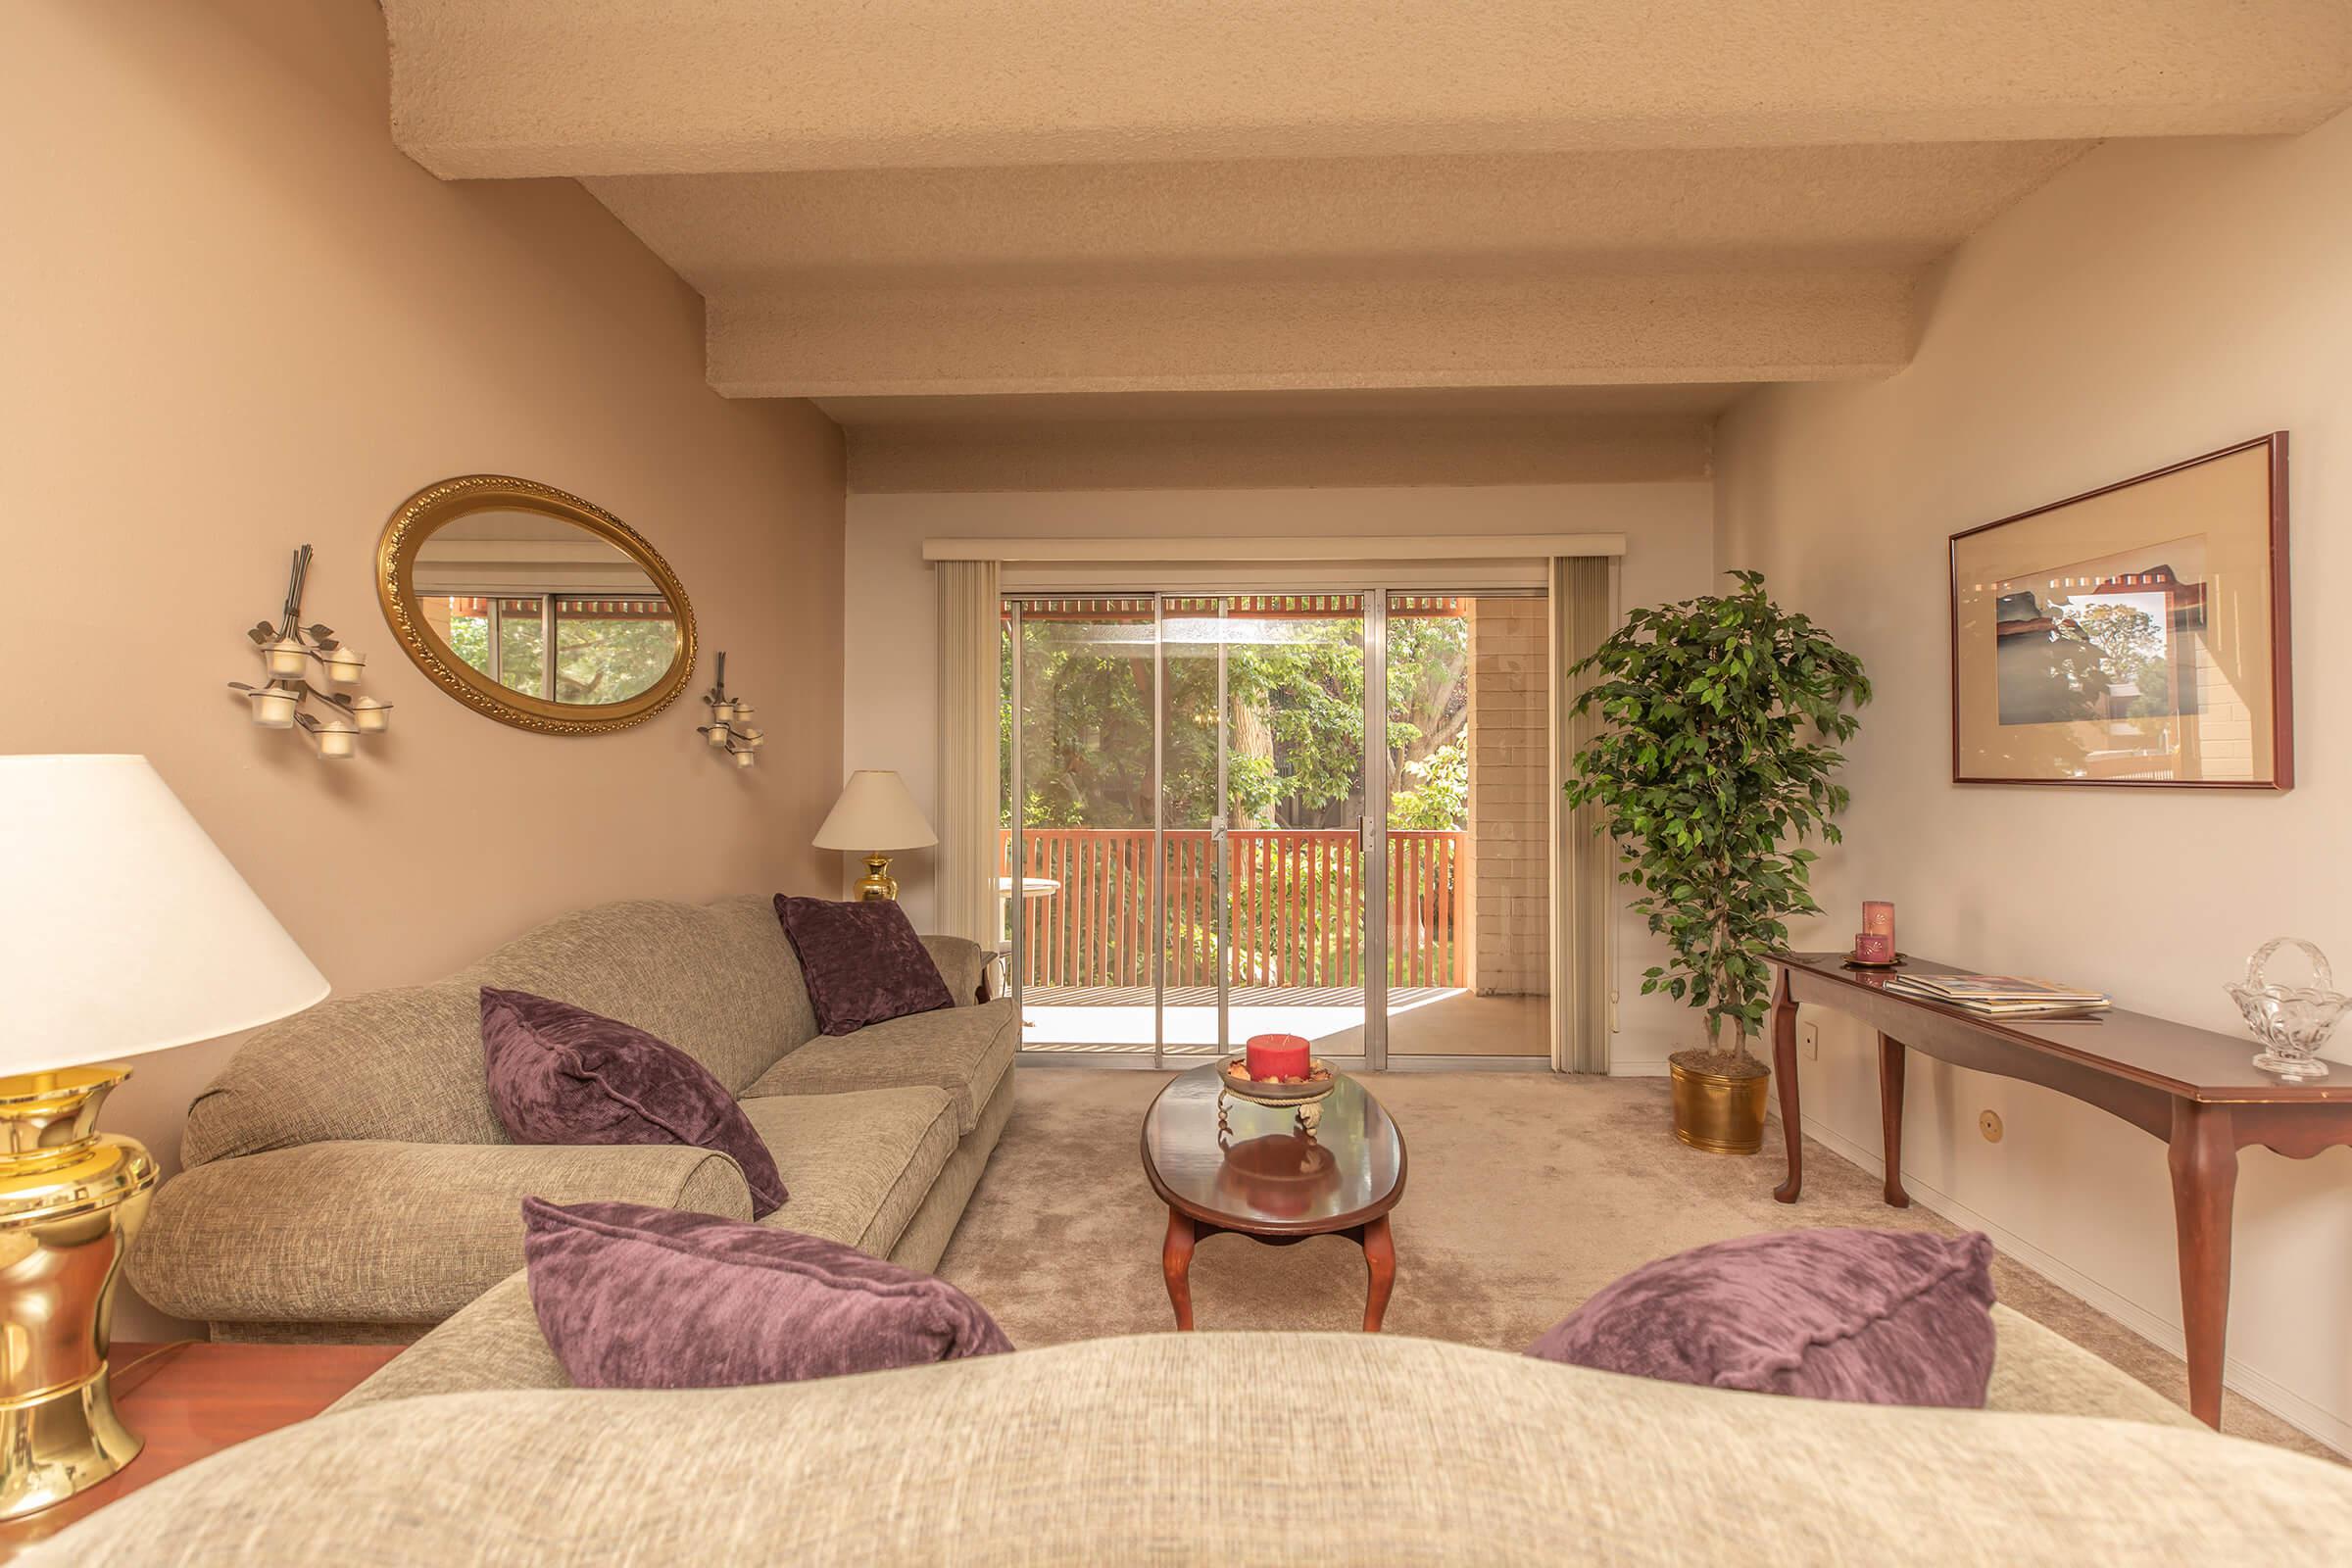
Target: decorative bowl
[
  {"x": 2293, "y": 1021},
  {"x": 1233, "y": 1074}
]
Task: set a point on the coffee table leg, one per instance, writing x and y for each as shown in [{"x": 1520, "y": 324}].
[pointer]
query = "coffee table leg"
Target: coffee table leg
[
  {"x": 1379, "y": 1262},
  {"x": 1176, "y": 1262}
]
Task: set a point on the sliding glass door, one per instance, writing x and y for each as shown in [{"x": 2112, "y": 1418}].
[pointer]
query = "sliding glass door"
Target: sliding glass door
[
  {"x": 1277, "y": 764},
  {"x": 1238, "y": 814},
  {"x": 1082, "y": 786}
]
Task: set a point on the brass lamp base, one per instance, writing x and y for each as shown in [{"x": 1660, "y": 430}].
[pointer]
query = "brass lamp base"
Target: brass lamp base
[
  {"x": 71, "y": 1199},
  {"x": 877, "y": 883}
]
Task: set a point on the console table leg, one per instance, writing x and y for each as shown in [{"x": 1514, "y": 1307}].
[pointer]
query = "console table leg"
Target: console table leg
[
  {"x": 1380, "y": 1262},
  {"x": 1891, "y": 1119},
  {"x": 1783, "y": 1072},
  {"x": 2204, "y": 1161},
  {"x": 1176, "y": 1262}
]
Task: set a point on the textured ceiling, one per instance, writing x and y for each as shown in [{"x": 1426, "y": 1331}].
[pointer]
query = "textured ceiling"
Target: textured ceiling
[
  {"x": 1254, "y": 209},
  {"x": 518, "y": 87}
]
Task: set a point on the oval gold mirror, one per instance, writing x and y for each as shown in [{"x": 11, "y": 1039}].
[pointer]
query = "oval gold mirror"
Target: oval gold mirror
[{"x": 534, "y": 606}]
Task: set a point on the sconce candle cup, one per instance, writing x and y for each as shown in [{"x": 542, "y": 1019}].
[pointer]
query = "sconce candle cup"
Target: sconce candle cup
[
  {"x": 338, "y": 741},
  {"x": 273, "y": 706},
  {"x": 287, "y": 649},
  {"x": 727, "y": 729}
]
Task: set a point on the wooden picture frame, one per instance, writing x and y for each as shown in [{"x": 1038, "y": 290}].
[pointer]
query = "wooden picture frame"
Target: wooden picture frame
[{"x": 2135, "y": 635}]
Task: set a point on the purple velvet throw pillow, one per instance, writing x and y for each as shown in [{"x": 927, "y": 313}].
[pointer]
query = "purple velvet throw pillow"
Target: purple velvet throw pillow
[
  {"x": 633, "y": 1296},
  {"x": 1871, "y": 1317},
  {"x": 863, "y": 962},
  {"x": 561, "y": 1074}
]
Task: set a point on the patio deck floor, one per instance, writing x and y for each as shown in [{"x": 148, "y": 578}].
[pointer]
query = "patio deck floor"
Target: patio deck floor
[{"x": 1423, "y": 1021}]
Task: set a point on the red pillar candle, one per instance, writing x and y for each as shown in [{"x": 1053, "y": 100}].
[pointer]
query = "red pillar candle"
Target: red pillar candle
[
  {"x": 1878, "y": 919},
  {"x": 1272, "y": 1057}
]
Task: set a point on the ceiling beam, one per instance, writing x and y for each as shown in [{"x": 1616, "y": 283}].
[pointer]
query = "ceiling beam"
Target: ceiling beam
[
  {"x": 1090, "y": 331},
  {"x": 1325, "y": 451},
  {"x": 485, "y": 88}
]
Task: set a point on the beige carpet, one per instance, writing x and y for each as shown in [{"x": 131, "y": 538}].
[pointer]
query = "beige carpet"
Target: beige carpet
[{"x": 1525, "y": 1192}]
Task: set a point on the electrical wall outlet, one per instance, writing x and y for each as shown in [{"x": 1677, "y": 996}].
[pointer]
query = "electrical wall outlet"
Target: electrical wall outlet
[{"x": 1808, "y": 1041}]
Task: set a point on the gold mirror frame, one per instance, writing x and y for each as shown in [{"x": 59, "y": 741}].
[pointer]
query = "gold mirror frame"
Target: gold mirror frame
[{"x": 395, "y": 565}]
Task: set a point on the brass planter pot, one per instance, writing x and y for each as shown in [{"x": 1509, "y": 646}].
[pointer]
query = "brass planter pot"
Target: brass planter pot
[{"x": 1720, "y": 1114}]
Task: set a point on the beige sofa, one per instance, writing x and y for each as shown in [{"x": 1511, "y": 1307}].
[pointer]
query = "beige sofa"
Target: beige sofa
[
  {"x": 1242, "y": 1448},
  {"x": 346, "y": 1177}
]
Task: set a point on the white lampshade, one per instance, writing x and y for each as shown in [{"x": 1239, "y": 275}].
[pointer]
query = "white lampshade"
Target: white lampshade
[
  {"x": 122, "y": 929},
  {"x": 875, "y": 812}
]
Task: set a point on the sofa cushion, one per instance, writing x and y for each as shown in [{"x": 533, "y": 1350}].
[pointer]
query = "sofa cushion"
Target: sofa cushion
[
  {"x": 718, "y": 981},
  {"x": 741, "y": 1303},
  {"x": 964, "y": 1051},
  {"x": 858, "y": 1164},
  {"x": 561, "y": 1074},
  {"x": 863, "y": 962},
  {"x": 299, "y": 1235},
  {"x": 1876, "y": 1317}
]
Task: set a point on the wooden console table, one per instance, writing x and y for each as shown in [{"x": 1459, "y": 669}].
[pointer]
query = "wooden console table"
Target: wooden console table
[{"x": 2196, "y": 1089}]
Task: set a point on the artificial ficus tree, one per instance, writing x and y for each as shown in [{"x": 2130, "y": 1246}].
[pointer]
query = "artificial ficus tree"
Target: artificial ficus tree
[{"x": 1717, "y": 762}]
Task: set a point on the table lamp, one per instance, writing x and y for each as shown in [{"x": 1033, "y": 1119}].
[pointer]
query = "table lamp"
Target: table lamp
[
  {"x": 123, "y": 930},
  {"x": 875, "y": 815}
]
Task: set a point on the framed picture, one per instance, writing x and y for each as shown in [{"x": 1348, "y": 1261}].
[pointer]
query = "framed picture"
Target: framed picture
[{"x": 2137, "y": 635}]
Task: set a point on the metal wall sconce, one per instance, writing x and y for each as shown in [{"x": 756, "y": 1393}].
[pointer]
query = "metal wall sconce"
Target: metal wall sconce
[
  {"x": 730, "y": 725},
  {"x": 288, "y": 649}
]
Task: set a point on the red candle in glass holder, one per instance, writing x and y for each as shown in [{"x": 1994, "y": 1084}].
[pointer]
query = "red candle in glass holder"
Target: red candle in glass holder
[{"x": 1874, "y": 946}]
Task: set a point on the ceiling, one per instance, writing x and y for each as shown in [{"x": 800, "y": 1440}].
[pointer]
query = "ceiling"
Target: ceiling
[{"x": 945, "y": 212}]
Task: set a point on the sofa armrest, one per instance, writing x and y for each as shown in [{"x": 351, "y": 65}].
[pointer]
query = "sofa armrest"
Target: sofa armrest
[
  {"x": 963, "y": 964},
  {"x": 387, "y": 1232}
]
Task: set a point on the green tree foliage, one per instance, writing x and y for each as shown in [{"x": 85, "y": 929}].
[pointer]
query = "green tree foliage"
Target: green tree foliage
[
  {"x": 2132, "y": 650},
  {"x": 1437, "y": 796},
  {"x": 599, "y": 659},
  {"x": 1294, "y": 694},
  {"x": 1716, "y": 764},
  {"x": 609, "y": 661}
]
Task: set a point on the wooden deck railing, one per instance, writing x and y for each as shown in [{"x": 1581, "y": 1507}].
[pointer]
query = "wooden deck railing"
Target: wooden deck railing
[{"x": 1298, "y": 897}]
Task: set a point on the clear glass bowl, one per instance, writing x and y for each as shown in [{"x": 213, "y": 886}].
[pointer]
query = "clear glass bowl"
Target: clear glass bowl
[{"x": 2293, "y": 1021}]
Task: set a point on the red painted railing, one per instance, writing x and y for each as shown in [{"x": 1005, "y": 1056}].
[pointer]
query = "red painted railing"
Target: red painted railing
[{"x": 1297, "y": 899}]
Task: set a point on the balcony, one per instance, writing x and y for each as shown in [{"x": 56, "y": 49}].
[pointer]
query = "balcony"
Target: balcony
[{"x": 1299, "y": 953}]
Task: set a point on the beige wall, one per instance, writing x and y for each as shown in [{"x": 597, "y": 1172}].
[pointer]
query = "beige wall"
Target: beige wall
[
  {"x": 239, "y": 319},
  {"x": 891, "y": 703},
  {"x": 2152, "y": 303}
]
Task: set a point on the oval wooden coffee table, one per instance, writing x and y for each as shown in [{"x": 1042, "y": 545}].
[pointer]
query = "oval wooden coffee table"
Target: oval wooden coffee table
[{"x": 1224, "y": 1163}]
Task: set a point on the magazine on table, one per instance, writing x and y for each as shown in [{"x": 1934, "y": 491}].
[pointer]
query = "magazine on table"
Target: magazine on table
[{"x": 2000, "y": 995}]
